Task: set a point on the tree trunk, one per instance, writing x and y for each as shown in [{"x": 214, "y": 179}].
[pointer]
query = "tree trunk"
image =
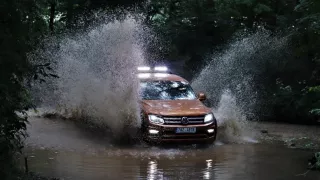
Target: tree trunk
[
  {"x": 52, "y": 16},
  {"x": 69, "y": 14}
]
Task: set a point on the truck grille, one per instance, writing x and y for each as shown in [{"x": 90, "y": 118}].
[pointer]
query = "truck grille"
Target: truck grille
[{"x": 180, "y": 120}]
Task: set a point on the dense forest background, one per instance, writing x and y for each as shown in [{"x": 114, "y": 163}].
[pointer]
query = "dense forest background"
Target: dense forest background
[{"x": 190, "y": 29}]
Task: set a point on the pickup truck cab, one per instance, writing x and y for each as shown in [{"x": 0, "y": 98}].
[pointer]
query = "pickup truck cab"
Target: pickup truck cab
[{"x": 171, "y": 111}]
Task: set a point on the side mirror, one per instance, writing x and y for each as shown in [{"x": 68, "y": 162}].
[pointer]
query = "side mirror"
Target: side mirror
[{"x": 202, "y": 96}]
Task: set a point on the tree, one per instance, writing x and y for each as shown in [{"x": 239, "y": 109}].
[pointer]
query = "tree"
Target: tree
[
  {"x": 53, "y": 5},
  {"x": 22, "y": 25}
]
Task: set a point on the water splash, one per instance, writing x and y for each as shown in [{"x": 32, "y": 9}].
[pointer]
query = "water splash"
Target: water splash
[
  {"x": 230, "y": 80},
  {"x": 232, "y": 122},
  {"x": 96, "y": 75}
]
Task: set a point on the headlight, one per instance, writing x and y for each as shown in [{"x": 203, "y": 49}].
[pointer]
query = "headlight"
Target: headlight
[
  {"x": 208, "y": 118},
  {"x": 156, "y": 119}
]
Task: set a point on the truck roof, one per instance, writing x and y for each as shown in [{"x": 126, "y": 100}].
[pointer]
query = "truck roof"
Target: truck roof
[{"x": 160, "y": 77}]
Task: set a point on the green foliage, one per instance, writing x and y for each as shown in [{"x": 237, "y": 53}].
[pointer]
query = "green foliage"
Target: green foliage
[
  {"x": 315, "y": 104},
  {"x": 248, "y": 13},
  {"x": 315, "y": 112},
  {"x": 189, "y": 29},
  {"x": 296, "y": 96},
  {"x": 299, "y": 104},
  {"x": 309, "y": 28},
  {"x": 261, "y": 8},
  {"x": 317, "y": 156},
  {"x": 21, "y": 27},
  {"x": 314, "y": 162}
]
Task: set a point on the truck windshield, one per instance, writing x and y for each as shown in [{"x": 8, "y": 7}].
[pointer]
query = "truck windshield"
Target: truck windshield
[{"x": 166, "y": 90}]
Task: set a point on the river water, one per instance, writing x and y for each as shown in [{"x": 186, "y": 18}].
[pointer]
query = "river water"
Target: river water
[{"x": 62, "y": 149}]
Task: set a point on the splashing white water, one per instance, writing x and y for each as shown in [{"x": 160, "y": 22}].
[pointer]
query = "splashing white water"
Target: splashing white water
[
  {"x": 96, "y": 75},
  {"x": 97, "y": 81},
  {"x": 229, "y": 81},
  {"x": 232, "y": 123}
]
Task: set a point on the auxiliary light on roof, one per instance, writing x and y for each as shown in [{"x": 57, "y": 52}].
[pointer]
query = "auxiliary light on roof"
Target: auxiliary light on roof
[
  {"x": 144, "y": 68},
  {"x": 156, "y": 69},
  {"x": 144, "y": 75},
  {"x": 161, "y": 68},
  {"x": 160, "y": 75}
]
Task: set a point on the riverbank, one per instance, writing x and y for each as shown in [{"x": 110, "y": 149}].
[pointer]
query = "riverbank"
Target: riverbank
[
  {"x": 304, "y": 137},
  {"x": 34, "y": 176},
  {"x": 294, "y": 136}
]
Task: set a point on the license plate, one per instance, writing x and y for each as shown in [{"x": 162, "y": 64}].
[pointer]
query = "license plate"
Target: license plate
[{"x": 186, "y": 130}]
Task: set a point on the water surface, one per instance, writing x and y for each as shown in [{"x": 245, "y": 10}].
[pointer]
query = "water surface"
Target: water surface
[{"x": 60, "y": 149}]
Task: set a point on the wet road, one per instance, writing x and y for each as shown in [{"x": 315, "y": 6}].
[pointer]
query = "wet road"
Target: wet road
[{"x": 61, "y": 149}]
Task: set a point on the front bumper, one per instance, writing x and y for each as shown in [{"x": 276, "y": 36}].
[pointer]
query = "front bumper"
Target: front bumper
[{"x": 167, "y": 134}]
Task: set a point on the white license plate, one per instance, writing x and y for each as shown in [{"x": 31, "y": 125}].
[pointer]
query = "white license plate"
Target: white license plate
[{"x": 186, "y": 130}]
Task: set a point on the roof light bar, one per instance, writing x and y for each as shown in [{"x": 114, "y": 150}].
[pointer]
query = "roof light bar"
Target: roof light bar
[
  {"x": 161, "y": 68},
  {"x": 144, "y": 68},
  {"x": 144, "y": 75},
  {"x": 160, "y": 75}
]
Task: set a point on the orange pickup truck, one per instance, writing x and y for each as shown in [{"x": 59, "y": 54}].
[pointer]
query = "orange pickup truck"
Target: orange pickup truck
[{"x": 172, "y": 111}]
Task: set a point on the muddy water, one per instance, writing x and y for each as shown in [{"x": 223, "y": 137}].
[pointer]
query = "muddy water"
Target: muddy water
[{"x": 61, "y": 149}]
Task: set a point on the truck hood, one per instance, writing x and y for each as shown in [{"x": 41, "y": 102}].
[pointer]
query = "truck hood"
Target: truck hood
[{"x": 175, "y": 107}]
